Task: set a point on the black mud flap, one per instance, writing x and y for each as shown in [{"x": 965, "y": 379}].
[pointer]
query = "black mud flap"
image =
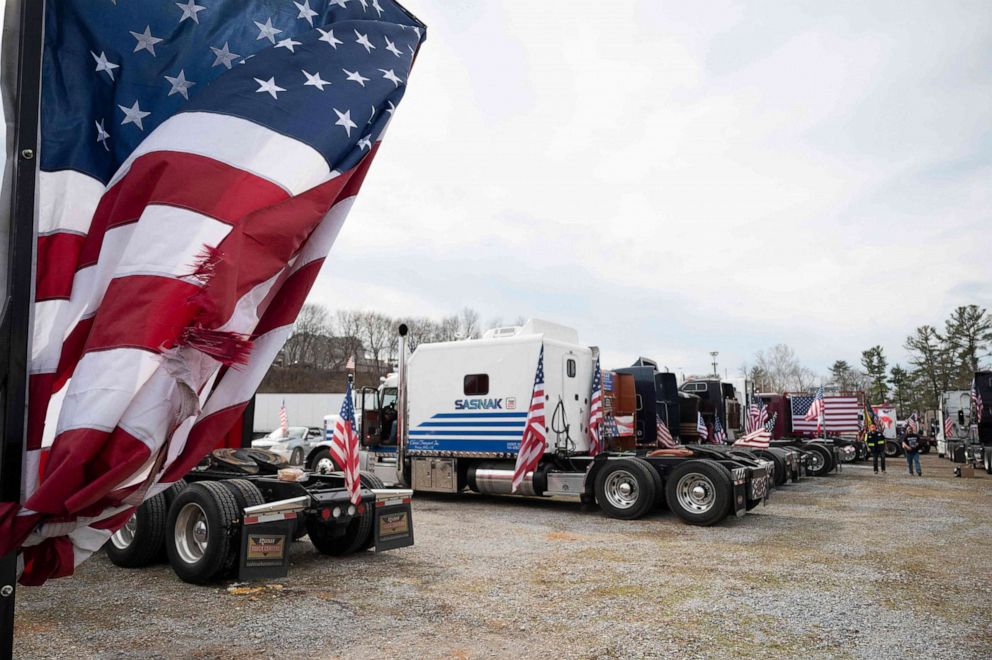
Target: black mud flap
[
  {"x": 393, "y": 525},
  {"x": 740, "y": 497},
  {"x": 265, "y": 542}
]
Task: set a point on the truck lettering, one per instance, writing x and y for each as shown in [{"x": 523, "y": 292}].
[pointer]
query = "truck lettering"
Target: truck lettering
[{"x": 478, "y": 404}]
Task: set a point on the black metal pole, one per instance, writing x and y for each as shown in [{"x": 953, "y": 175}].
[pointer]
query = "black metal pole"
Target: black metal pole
[{"x": 15, "y": 330}]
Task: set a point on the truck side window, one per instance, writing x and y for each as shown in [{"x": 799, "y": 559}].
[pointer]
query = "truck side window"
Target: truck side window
[
  {"x": 476, "y": 384},
  {"x": 570, "y": 368}
]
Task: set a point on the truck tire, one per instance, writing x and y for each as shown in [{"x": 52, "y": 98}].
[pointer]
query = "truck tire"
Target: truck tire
[
  {"x": 700, "y": 492},
  {"x": 354, "y": 537},
  {"x": 987, "y": 457},
  {"x": 297, "y": 457},
  {"x": 173, "y": 492},
  {"x": 245, "y": 492},
  {"x": 625, "y": 488},
  {"x": 892, "y": 449},
  {"x": 781, "y": 474},
  {"x": 659, "y": 486},
  {"x": 322, "y": 463},
  {"x": 201, "y": 538},
  {"x": 139, "y": 542},
  {"x": 370, "y": 481},
  {"x": 821, "y": 459}
]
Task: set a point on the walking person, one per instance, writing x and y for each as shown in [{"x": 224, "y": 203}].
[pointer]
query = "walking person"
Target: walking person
[
  {"x": 911, "y": 445},
  {"x": 876, "y": 444}
]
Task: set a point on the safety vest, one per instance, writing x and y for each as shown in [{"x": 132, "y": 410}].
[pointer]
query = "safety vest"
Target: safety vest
[{"x": 875, "y": 439}]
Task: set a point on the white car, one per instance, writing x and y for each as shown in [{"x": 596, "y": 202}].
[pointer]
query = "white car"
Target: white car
[{"x": 294, "y": 446}]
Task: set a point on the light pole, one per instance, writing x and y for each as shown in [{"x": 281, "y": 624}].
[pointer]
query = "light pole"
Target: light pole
[{"x": 713, "y": 355}]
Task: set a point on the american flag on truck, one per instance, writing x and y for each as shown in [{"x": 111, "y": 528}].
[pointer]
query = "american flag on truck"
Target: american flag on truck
[{"x": 842, "y": 412}]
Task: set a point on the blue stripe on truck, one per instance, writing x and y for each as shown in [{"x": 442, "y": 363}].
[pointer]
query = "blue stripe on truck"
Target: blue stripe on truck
[{"x": 464, "y": 444}]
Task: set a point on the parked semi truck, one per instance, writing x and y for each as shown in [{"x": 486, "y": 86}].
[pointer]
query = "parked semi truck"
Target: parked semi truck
[
  {"x": 970, "y": 440},
  {"x": 452, "y": 419}
]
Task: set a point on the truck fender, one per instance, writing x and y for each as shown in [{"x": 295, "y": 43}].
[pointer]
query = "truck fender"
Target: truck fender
[{"x": 324, "y": 444}]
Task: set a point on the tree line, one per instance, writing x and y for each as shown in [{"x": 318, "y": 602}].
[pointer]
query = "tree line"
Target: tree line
[{"x": 940, "y": 360}]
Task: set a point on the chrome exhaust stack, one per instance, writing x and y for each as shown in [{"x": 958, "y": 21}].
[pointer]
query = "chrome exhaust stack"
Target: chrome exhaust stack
[{"x": 402, "y": 413}]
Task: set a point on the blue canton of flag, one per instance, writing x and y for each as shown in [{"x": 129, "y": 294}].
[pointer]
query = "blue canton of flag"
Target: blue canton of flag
[{"x": 340, "y": 66}]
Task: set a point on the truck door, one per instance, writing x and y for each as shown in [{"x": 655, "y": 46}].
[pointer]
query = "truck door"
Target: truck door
[{"x": 571, "y": 394}]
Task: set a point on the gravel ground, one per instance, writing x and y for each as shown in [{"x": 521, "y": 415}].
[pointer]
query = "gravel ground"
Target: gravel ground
[{"x": 851, "y": 565}]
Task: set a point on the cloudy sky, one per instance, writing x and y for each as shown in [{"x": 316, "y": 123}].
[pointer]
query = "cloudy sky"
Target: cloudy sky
[{"x": 673, "y": 178}]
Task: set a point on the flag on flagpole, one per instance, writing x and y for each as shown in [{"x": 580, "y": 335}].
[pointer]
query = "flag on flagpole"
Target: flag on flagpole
[
  {"x": 351, "y": 364},
  {"x": 976, "y": 399},
  {"x": 344, "y": 446},
  {"x": 759, "y": 438},
  {"x": 534, "y": 441},
  {"x": 815, "y": 411},
  {"x": 192, "y": 178},
  {"x": 283, "y": 420},
  {"x": 769, "y": 424},
  {"x": 665, "y": 438},
  {"x": 596, "y": 412},
  {"x": 719, "y": 436},
  {"x": 701, "y": 428},
  {"x": 948, "y": 426}
]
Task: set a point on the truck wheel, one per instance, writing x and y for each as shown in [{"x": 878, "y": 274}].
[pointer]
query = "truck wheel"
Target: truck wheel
[
  {"x": 925, "y": 448},
  {"x": 201, "y": 542},
  {"x": 296, "y": 458},
  {"x": 139, "y": 542},
  {"x": 625, "y": 488},
  {"x": 245, "y": 492},
  {"x": 354, "y": 537},
  {"x": 173, "y": 492},
  {"x": 370, "y": 481},
  {"x": 700, "y": 492},
  {"x": 659, "y": 485},
  {"x": 820, "y": 460},
  {"x": 781, "y": 471},
  {"x": 891, "y": 449},
  {"x": 322, "y": 463}
]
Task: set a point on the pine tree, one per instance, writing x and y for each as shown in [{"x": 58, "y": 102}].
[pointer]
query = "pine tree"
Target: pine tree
[
  {"x": 931, "y": 356},
  {"x": 840, "y": 374},
  {"x": 968, "y": 332},
  {"x": 902, "y": 388},
  {"x": 875, "y": 365}
]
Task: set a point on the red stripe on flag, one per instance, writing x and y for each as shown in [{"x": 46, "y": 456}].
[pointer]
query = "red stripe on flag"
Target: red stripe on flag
[{"x": 57, "y": 257}]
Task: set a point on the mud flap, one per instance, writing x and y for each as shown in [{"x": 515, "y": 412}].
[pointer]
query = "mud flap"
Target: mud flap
[{"x": 393, "y": 525}]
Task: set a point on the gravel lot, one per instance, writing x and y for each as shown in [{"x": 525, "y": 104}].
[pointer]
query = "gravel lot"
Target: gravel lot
[{"x": 851, "y": 565}]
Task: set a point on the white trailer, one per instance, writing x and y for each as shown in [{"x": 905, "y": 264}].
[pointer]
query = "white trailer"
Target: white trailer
[
  {"x": 301, "y": 409},
  {"x": 452, "y": 419}
]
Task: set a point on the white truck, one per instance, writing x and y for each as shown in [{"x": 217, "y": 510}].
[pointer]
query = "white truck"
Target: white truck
[{"x": 453, "y": 417}]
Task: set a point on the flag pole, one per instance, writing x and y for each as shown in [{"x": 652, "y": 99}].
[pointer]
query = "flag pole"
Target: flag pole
[{"x": 20, "y": 85}]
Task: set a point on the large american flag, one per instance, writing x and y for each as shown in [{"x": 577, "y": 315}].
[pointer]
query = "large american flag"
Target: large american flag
[
  {"x": 197, "y": 161},
  {"x": 841, "y": 413},
  {"x": 344, "y": 446},
  {"x": 596, "y": 412},
  {"x": 948, "y": 426},
  {"x": 534, "y": 440}
]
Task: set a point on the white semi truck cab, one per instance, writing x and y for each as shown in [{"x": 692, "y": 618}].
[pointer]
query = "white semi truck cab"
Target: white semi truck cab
[{"x": 453, "y": 417}]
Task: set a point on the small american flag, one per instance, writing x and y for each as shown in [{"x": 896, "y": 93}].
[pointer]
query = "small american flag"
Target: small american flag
[
  {"x": 759, "y": 438},
  {"x": 753, "y": 413},
  {"x": 815, "y": 411},
  {"x": 770, "y": 424},
  {"x": 913, "y": 423},
  {"x": 719, "y": 435},
  {"x": 948, "y": 426},
  {"x": 534, "y": 440},
  {"x": 344, "y": 446},
  {"x": 701, "y": 429},
  {"x": 977, "y": 400},
  {"x": 665, "y": 438},
  {"x": 283, "y": 419},
  {"x": 351, "y": 364},
  {"x": 596, "y": 412}
]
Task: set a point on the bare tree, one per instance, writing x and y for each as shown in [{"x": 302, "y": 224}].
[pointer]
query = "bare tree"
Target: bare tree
[
  {"x": 311, "y": 325},
  {"x": 377, "y": 332},
  {"x": 781, "y": 370},
  {"x": 468, "y": 324}
]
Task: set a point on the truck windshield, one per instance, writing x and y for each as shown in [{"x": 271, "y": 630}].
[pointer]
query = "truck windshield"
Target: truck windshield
[{"x": 389, "y": 397}]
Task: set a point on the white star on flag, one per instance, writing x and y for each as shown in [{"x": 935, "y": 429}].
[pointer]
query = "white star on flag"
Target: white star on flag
[
  {"x": 133, "y": 115},
  {"x": 365, "y": 142},
  {"x": 224, "y": 56},
  {"x": 343, "y": 4},
  {"x": 288, "y": 44},
  {"x": 377, "y": 7},
  {"x": 390, "y": 76},
  {"x": 356, "y": 77},
  {"x": 344, "y": 120},
  {"x": 306, "y": 13},
  {"x": 180, "y": 85},
  {"x": 103, "y": 65},
  {"x": 145, "y": 40},
  {"x": 269, "y": 86},
  {"x": 329, "y": 37},
  {"x": 391, "y": 47},
  {"x": 102, "y": 135},
  {"x": 314, "y": 80},
  {"x": 363, "y": 39},
  {"x": 190, "y": 10},
  {"x": 266, "y": 31}
]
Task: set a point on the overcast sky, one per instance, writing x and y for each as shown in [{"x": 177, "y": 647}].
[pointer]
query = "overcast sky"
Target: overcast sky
[{"x": 673, "y": 178}]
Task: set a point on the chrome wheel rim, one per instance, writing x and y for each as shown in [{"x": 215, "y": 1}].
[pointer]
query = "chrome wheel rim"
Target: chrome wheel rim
[
  {"x": 124, "y": 537},
  {"x": 696, "y": 493},
  {"x": 815, "y": 461},
  {"x": 192, "y": 533},
  {"x": 621, "y": 489},
  {"x": 324, "y": 466},
  {"x": 297, "y": 456}
]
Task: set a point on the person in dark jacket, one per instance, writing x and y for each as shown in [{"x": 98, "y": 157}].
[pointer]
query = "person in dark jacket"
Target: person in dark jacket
[
  {"x": 876, "y": 444},
  {"x": 911, "y": 445}
]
